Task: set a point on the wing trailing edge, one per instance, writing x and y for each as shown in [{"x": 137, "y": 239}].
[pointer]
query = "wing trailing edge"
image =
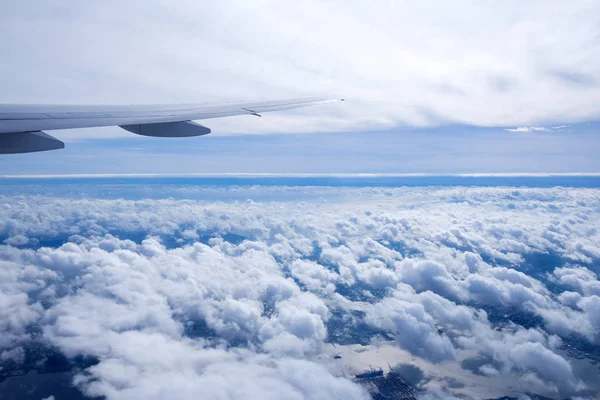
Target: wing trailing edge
[{"x": 22, "y": 125}]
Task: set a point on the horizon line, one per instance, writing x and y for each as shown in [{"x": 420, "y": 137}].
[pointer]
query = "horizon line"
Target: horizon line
[{"x": 304, "y": 175}]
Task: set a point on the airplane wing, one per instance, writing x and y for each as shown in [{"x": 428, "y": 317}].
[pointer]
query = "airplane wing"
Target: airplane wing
[{"x": 22, "y": 126}]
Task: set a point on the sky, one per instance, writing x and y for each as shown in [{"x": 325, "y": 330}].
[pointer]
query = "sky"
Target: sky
[
  {"x": 430, "y": 87},
  {"x": 432, "y": 150}
]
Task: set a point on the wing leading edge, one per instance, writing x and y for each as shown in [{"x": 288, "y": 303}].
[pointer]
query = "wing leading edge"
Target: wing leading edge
[{"x": 150, "y": 120}]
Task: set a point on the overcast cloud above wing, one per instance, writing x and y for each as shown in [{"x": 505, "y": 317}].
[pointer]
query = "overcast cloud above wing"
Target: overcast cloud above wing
[{"x": 398, "y": 63}]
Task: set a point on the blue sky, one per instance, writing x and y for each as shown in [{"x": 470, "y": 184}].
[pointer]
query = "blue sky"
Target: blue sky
[{"x": 451, "y": 149}]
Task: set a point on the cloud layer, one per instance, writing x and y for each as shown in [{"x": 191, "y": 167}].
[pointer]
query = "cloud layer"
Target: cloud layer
[
  {"x": 241, "y": 299},
  {"x": 397, "y": 63}
]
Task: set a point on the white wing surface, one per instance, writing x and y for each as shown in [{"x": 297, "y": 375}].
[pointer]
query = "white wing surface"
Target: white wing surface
[{"x": 22, "y": 126}]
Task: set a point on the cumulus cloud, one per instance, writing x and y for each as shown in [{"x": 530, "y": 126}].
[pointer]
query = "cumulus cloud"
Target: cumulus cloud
[
  {"x": 548, "y": 365},
  {"x": 16, "y": 354},
  {"x": 247, "y": 295},
  {"x": 581, "y": 279},
  {"x": 413, "y": 328},
  {"x": 182, "y": 368}
]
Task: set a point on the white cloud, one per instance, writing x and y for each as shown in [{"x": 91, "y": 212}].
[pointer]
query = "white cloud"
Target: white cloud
[
  {"x": 314, "y": 276},
  {"x": 413, "y": 328},
  {"x": 183, "y": 369},
  {"x": 550, "y": 366},
  {"x": 527, "y": 129},
  {"x": 396, "y": 64},
  {"x": 581, "y": 279},
  {"x": 259, "y": 297},
  {"x": 16, "y": 354}
]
